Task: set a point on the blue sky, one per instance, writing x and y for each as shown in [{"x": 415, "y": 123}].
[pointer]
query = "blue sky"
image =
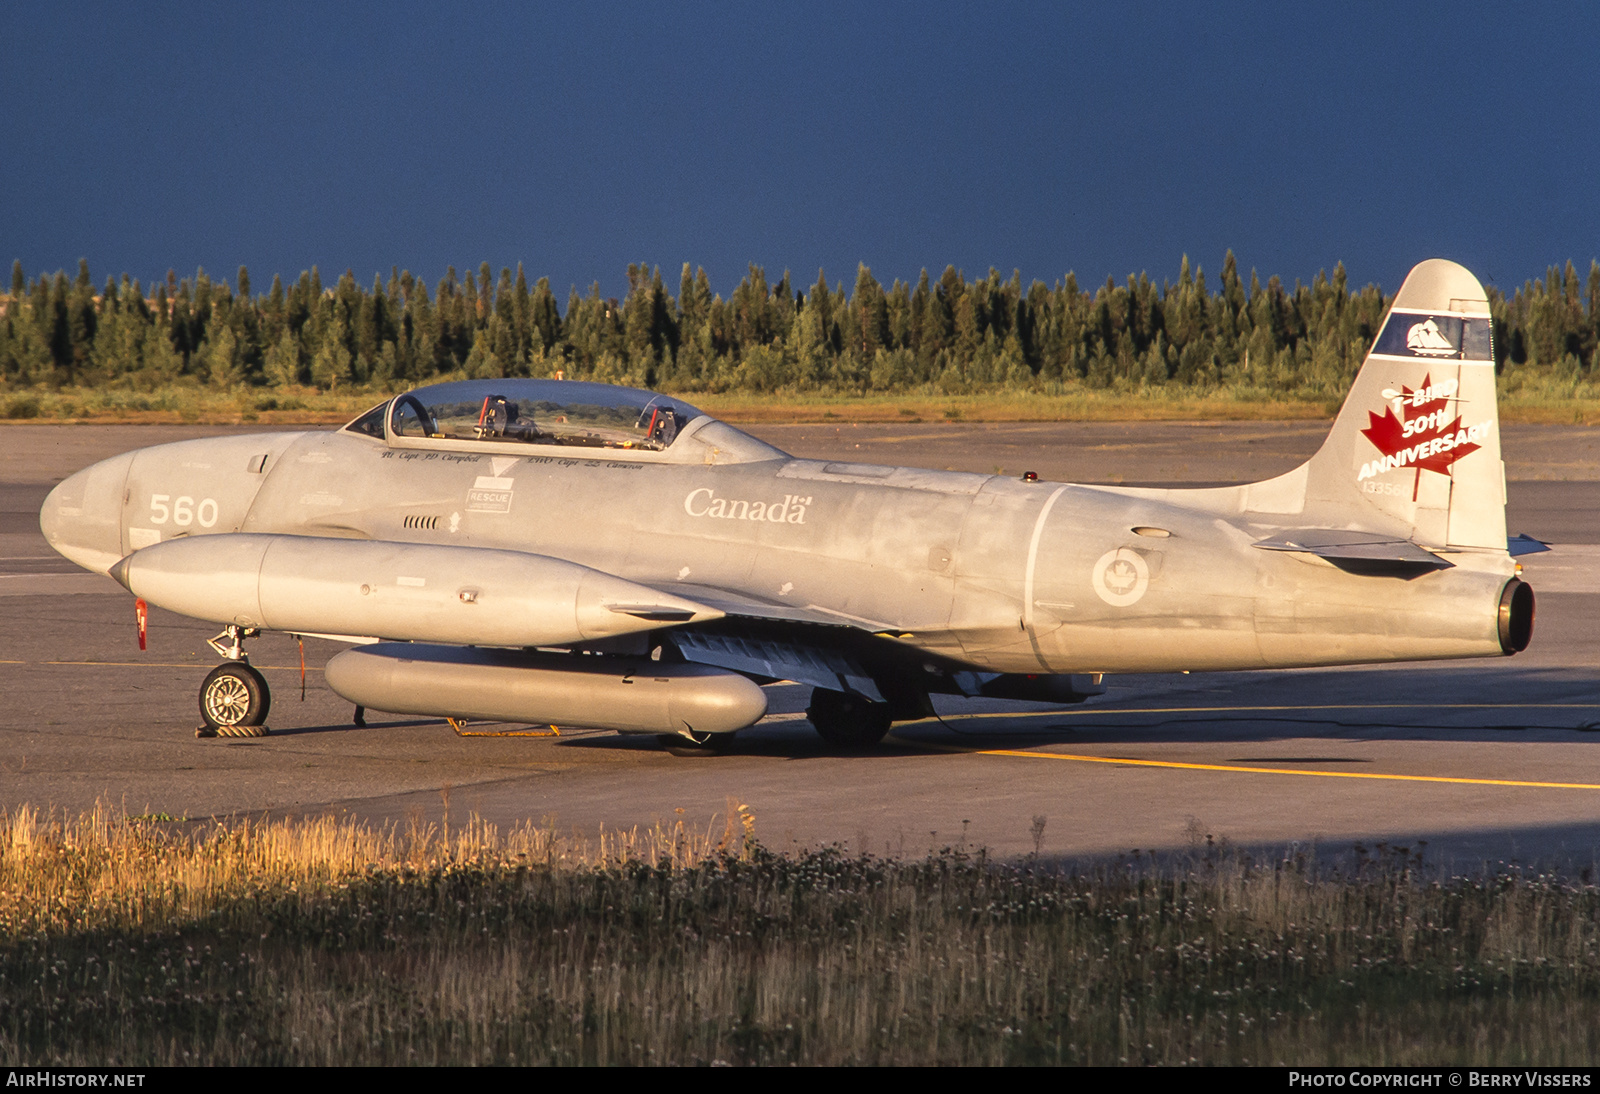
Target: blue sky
[{"x": 1102, "y": 139}]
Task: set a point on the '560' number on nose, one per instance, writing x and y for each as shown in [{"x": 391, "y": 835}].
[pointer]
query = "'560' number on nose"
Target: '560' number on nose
[{"x": 182, "y": 512}]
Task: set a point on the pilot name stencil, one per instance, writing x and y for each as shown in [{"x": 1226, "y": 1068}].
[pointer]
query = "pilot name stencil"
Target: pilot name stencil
[
  {"x": 590, "y": 464},
  {"x": 705, "y": 503}
]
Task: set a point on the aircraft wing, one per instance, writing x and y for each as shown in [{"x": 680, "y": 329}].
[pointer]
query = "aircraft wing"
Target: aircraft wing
[
  {"x": 741, "y": 604},
  {"x": 806, "y": 643},
  {"x": 839, "y": 652}
]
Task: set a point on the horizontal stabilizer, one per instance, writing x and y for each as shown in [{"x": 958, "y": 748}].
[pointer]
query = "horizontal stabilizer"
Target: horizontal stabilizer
[
  {"x": 1339, "y": 543},
  {"x": 1525, "y": 545}
]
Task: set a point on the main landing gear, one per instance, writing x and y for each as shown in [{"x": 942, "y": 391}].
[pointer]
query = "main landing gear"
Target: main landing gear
[
  {"x": 234, "y": 699},
  {"x": 848, "y": 721}
]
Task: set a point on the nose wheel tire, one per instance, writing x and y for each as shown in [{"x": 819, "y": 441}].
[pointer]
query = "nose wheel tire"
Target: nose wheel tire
[
  {"x": 848, "y": 721},
  {"x": 234, "y": 695}
]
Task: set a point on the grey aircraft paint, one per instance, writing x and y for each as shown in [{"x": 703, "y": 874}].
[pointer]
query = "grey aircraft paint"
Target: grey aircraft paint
[{"x": 879, "y": 584}]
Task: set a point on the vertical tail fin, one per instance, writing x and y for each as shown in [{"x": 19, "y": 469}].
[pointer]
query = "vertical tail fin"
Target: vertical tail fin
[{"x": 1416, "y": 447}]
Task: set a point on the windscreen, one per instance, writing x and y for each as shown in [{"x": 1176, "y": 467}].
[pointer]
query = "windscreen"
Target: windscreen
[{"x": 546, "y": 412}]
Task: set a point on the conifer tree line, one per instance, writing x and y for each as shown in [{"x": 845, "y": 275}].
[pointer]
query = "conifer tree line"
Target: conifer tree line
[{"x": 951, "y": 335}]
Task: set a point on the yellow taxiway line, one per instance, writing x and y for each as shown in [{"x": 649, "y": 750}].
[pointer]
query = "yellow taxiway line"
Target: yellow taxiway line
[
  {"x": 1086, "y": 712},
  {"x": 1283, "y": 770},
  {"x": 1244, "y": 769}
]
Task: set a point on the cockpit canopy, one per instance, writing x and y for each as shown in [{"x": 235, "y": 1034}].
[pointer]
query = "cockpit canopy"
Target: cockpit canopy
[
  {"x": 508, "y": 414},
  {"x": 553, "y": 412}
]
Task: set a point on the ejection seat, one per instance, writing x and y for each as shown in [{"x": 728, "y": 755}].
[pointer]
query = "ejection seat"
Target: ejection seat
[{"x": 499, "y": 421}]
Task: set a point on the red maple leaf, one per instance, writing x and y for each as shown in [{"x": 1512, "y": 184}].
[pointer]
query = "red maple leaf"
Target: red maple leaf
[{"x": 1426, "y": 422}]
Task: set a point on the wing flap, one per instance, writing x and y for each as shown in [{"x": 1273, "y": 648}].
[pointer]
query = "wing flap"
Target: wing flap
[{"x": 801, "y": 662}]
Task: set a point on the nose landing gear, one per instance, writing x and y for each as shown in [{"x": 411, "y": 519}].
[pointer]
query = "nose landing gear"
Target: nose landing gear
[{"x": 234, "y": 699}]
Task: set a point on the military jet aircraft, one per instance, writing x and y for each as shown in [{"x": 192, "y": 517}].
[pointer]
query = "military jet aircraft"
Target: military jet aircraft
[{"x": 574, "y": 553}]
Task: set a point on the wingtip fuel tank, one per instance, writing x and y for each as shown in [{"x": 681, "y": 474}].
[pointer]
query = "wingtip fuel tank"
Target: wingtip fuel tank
[
  {"x": 628, "y": 694},
  {"x": 416, "y": 592}
]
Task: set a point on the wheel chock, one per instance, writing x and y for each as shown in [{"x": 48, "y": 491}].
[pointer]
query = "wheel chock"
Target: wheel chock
[{"x": 232, "y": 731}]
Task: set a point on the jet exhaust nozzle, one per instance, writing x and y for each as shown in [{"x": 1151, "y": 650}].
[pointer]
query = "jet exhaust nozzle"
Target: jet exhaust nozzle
[{"x": 1516, "y": 616}]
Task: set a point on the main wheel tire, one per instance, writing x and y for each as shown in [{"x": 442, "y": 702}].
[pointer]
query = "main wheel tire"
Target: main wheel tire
[
  {"x": 234, "y": 695},
  {"x": 696, "y": 744},
  {"x": 847, "y": 721}
]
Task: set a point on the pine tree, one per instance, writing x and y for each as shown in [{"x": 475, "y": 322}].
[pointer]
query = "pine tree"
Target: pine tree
[
  {"x": 221, "y": 354},
  {"x": 522, "y": 315},
  {"x": 871, "y": 315},
  {"x": 810, "y": 344},
  {"x": 52, "y": 322},
  {"x": 81, "y": 322},
  {"x": 282, "y": 365},
  {"x": 332, "y": 364},
  {"x": 638, "y": 321}
]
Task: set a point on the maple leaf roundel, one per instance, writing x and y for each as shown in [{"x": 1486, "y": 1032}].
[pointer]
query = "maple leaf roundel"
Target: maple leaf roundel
[{"x": 1429, "y": 437}]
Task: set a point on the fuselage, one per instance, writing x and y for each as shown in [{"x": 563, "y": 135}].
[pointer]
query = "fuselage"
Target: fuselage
[{"x": 997, "y": 573}]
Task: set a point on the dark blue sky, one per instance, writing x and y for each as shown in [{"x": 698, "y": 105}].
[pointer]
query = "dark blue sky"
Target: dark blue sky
[{"x": 1103, "y": 139}]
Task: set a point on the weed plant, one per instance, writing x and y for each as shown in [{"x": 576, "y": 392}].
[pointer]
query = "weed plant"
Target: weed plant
[{"x": 327, "y": 942}]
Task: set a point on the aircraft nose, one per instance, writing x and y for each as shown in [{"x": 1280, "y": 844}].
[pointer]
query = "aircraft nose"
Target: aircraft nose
[{"x": 82, "y": 517}]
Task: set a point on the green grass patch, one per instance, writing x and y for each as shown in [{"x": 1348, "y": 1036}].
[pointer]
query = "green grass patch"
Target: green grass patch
[{"x": 320, "y": 942}]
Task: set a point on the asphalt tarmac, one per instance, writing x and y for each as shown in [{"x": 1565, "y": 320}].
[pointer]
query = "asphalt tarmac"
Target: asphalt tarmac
[{"x": 1494, "y": 761}]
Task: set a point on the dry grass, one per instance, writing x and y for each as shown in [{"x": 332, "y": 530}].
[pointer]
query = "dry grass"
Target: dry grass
[
  {"x": 187, "y": 403},
  {"x": 1524, "y": 397},
  {"x": 327, "y": 942},
  {"x": 1073, "y": 404},
  {"x": 103, "y": 871}
]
